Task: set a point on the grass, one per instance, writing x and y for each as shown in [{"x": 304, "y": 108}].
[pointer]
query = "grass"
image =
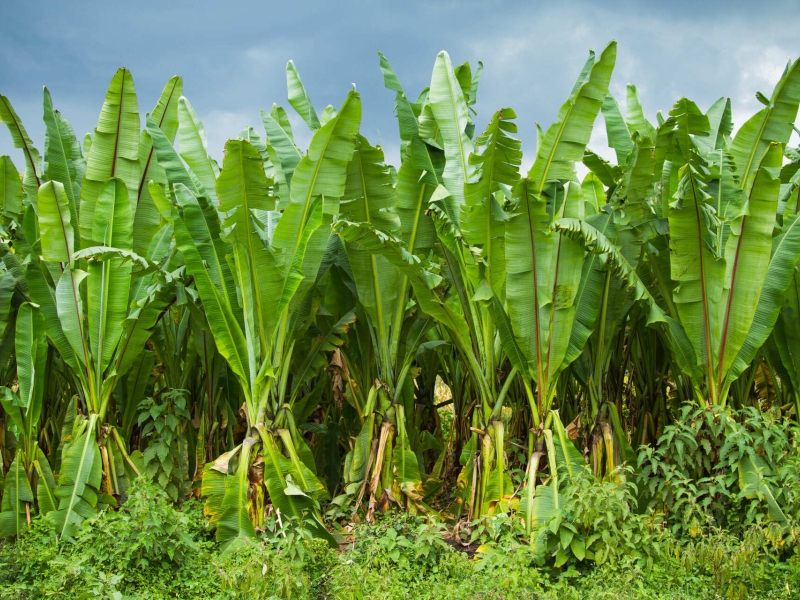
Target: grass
[{"x": 152, "y": 550}]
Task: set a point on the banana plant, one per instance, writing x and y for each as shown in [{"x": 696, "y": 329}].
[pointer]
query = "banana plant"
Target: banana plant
[
  {"x": 618, "y": 201},
  {"x": 446, "y": 104},
  {"x": 548, "y": 329},
  {"x": 30, "y": 471},
  {"x": 252, "y": 292},
  {"x": 429, "y": 288},
  {"x": 470, "y": 222},
  {"x": 63, "y": 162},
  {"x": 394, "y": 441},
  {"x": 394, "y": 330},
  {"x": 781, "y": 349},
  {"x": 99, "y": 298},
  {"x": 729, "y": 285}
]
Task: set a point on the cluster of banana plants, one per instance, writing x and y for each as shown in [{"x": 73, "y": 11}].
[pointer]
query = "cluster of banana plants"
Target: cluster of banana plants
[{"x": 270, "y": 334}]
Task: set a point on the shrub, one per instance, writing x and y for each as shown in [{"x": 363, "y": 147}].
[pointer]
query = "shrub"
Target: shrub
[
  {"x": 599, "y": 523},
  {"x": 717, "y": 468}
]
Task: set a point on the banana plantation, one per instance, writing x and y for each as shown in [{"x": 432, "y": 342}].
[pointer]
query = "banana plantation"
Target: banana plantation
[{"x": 313, "y": 337}]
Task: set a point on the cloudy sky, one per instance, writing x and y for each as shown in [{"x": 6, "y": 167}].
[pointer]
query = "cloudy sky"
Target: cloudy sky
[{"x": 232, "y": 55}]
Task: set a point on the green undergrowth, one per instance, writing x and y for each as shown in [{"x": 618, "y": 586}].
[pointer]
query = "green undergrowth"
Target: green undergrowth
[{"x": 150, "y": 549}]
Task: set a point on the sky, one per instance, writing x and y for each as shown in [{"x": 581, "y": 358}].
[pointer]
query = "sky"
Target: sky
[{"x": 232, "y": 56}]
